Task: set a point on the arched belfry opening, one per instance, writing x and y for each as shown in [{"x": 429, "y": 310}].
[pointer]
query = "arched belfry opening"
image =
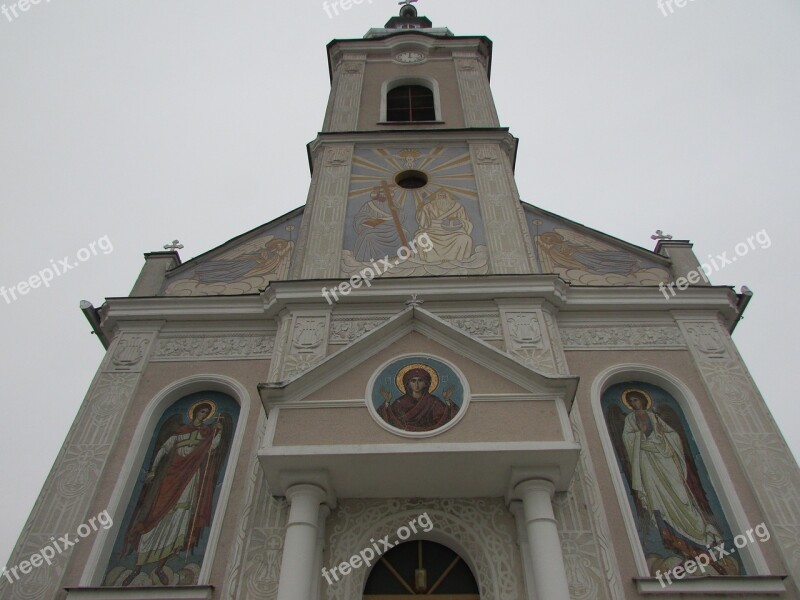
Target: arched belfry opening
[{"x": 421, "y": 568}]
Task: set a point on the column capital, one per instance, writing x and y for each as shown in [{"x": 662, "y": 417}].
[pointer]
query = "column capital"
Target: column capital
[
  {"x": 291, "y": 483},
  {"x": 535, "y": 485},
  {"x": 548, "y": 474},
  {"x": 306, "y": 489}
]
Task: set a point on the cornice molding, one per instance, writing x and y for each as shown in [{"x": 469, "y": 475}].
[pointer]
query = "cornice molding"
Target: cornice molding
[{"x": 392, "y": 293}]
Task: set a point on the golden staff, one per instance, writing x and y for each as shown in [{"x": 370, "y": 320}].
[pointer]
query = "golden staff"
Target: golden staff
[
  {"x": 200, "y": 493},
  {"x": 387, "y": 192}
]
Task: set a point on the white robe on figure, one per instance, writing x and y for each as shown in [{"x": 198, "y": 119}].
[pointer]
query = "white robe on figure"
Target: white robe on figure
[{"x": 448, "y": 227}]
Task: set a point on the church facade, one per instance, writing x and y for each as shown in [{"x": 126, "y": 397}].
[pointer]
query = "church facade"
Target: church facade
[{"x": 417, "y": 384}]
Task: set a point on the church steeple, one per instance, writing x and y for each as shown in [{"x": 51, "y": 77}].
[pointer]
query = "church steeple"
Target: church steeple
[
  {"x": 408, "y": 21},
  {"x": 408, "y": 18}
]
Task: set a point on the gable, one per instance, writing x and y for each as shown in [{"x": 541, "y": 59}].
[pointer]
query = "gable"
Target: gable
[
  {"x": 373, "y": 423},
  {"x": 353, "y": 383},
  {"x": 582, "y": 256},
  {"x": 244, "y": 265}
]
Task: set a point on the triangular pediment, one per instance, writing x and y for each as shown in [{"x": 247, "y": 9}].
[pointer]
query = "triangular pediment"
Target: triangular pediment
[
  {"x": 417, "y": 407},
  {"x": 584, "y": 256},
  {"x": 243, "y": 265},
  {"x": 417, "y": 331}
]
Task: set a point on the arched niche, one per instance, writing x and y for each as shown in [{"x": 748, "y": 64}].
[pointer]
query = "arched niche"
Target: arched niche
[
  {"x": 173, "y": 424},
  {"x": 659, "y": 448}
]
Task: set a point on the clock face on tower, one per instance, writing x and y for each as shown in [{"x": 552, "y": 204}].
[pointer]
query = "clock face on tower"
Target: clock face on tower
[{"x": 410, "y": 57}]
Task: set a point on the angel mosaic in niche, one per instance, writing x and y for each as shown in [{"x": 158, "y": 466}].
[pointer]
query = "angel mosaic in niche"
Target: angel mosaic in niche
[
  {"x": 677, "y": 511},
  {"x": 164, "y": 535}
]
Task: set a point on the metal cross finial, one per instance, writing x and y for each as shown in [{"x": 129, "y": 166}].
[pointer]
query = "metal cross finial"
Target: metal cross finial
[
  {"x": 659, "y": 235},
  {"x": 414, "y": 301},
  {"x": 407, "y": 2},
  {"x": 175, "y": 245}
]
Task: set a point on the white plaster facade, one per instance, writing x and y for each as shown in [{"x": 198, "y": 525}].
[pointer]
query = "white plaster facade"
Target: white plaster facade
[{"x": 524, "y": 487}]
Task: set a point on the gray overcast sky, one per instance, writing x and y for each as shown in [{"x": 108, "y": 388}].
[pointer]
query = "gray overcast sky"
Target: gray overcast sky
[{"x": 145, "y": 121}]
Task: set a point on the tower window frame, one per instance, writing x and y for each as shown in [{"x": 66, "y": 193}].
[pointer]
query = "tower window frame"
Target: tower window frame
[{"x": 411, "y": 82}]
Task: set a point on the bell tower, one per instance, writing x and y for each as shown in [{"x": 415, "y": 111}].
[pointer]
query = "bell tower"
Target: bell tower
[{"x": 412, "y": 144}]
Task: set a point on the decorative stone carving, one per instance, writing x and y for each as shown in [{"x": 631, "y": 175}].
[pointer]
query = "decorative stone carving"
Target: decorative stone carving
[
  {"x": 585, "y": 533},
  {"x": 525, "y": 330},
  {"x": 130, "y": 351},
  {"x": 307, "y": 347},
  {"x": 634, "y": 336},
  {"x": 765, "y": 458},
  {"x": 204, "y": 346},
  {"x": 255, "y": 564},
  {"x": 338, "y": 157},
  {"x": 299, "y": 363},
  {"x": 348, "y": 82},
  {"x": 525, "y": 339},
  {"x": 499, "y": 209},
  {"x": 555, "y": 341},
  {"x": 706, "y": 340},
  {"x": 484, "y": 528},
  {"x": 476, "y": 99},
  {"x": 327, "y": 210},
  {"x": 308, "y": 334},
  {"x": 487, "y": 156},
  {"x": 73, "y": 481},
  {"x": 345, "y": 330},
  {"x": 351, "y": 68},
  {"x": 281, "y": 347},
  {"x": 484, "y": 326}
]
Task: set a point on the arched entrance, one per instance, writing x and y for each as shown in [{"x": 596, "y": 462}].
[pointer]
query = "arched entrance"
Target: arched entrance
[{"x": 421, "y": 568}]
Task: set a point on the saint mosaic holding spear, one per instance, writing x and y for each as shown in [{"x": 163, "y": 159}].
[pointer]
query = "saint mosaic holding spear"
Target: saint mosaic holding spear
[{"x": 175, "y": 504}]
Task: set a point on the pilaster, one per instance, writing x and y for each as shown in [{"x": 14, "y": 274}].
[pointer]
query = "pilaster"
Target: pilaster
[
  {"x": 327, "y": 209},
  {"x": 69, "y": 490},
  {"x": 763, "y": 454},
  {"x": 473, "y": 84},
  {"x": 348, "y": 82},
  {"x": 499, "y": 204}
]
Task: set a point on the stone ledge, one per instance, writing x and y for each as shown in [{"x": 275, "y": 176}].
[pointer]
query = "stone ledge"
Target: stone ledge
[
  {"x": 198, "y": 592},
  {"x": 728, "y": 586}
]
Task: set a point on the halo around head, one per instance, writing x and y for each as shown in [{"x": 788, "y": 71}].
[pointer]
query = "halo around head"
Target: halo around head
[
  {"x": 626, "y": 401},
  {"x": 211, "y": 403},
  {"x": 398, "y": 380}
]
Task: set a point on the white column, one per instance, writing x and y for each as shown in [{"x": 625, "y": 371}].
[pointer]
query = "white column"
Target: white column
[
  {"x": 300, "y": 545},
  {"x": 524, "y": 548},
  {"x": 547, "y": 561},
  {"x": 316, "y": 581}
]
